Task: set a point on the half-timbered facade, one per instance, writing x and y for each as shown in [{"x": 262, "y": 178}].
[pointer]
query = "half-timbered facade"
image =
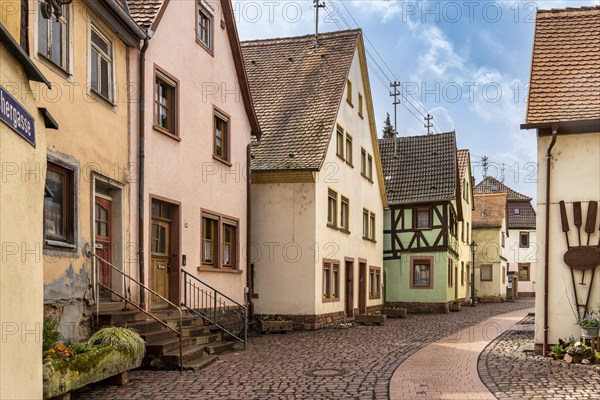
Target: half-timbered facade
[{"x": 421, "y": 242}]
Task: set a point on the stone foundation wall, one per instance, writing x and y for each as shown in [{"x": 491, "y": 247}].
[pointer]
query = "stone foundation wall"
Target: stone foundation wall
[
  {"x": 313, "y": 322},
  {"x": 527, "y": 294},
  {"x": 415, "y": 307},
  {"x": 74, "y": 319},
  {"x": 491, "y": 299}
]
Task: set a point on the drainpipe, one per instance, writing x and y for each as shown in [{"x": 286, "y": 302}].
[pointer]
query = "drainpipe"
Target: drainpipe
[
  {"x": 547, "y": 238},
  {"x": 249, "y": 285},
  {"x": 141, "y": 162}
]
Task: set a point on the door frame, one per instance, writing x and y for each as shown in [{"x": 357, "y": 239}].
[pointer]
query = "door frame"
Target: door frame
[
  {"x": 349, "y": 286},
  {"x": 362, "y": 293},
  {"x": 119, "y": 250},
  {"x": 175, "y": 244}
]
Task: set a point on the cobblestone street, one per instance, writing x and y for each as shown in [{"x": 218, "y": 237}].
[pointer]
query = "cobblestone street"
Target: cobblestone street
[
  {"x": 512, "y": 374},
  {"x": 342, "y": 363}
]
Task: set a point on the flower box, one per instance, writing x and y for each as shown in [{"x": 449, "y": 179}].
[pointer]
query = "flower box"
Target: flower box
[
  {"x": 276, "y": 326},
  {"x": 395, "y": 312},
  {"x": 454, "y": 307},
  {"x": 367, "y": 319},
  {"x": 64, "y": 375},
  {"x": 589, "y": 332}
]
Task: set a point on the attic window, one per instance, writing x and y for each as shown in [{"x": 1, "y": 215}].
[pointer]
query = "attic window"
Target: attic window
[
  {"x": 204, "y": 27},
  {"x": 517, "y": 211}
]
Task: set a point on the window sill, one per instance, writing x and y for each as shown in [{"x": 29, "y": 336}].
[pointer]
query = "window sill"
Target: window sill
[
  {"x": 350, "y": 164},
  {"x": 346, "y": 231},
  {"x": 205, "y": 47},
  {"x": 109, "y": 102},
  {"x": 332, "y": 300},
  {"x": 421, "y": 287},
  {"x": 57, "y": 245},
  {"x": 361, "y": 116},
  {"x": 165, "y": 132},
  {"x": 341, "y": 157},
  {"x": 222, "y": 160},
  {"x": 220, "y": 270},
  {"x": 350, "y": 103},
  {"x": 53, "y": 66},
  {"x": 374, "y": 297},
  {"x": 332, "y": 226},
  {"x": 369, "y": 240},
  {"x": 366, "y": 177}
]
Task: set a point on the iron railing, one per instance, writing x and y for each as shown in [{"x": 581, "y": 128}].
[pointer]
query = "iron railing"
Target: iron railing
[
  {"x": 215, "y": 308},
  {"x": 127, "y": 277}
]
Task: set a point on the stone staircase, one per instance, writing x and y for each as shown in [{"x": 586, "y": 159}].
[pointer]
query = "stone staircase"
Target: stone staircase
[{"x": 201, "y": 344}]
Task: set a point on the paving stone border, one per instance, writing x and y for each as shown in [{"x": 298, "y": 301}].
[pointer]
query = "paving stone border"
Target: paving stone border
[
  {"x": 275, "y": 366},
  {"x": 510, "y": 373}
]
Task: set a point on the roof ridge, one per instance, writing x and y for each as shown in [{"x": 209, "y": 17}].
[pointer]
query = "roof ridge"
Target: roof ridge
[
  {"x": 569, "y": 9},
  {"x": 299, "y": 38},
  {"x": 423, "y": 135}
]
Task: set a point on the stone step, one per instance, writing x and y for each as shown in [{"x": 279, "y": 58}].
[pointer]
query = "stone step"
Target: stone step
[
  {"x": 164, "y": 346},
  {"x": 170, "y": 360},
  {"x": 157, "y": 335},
  {"x": 218, "y": 347},
  {"x": 120, "y": 317},
  {"x": 200, "y": 363},
  {"x": 196, "y": 330},
  {"x": 145, "y": 326},
  {"x": 205, "y": 339}
]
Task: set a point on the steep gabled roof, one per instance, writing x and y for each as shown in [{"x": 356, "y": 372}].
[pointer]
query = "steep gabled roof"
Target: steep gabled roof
[
  {"x": 521, "y": 215},
  {"x": 492, "y": 185},
  {"x": 144, "y": 12},
  {"x": 565, "y": 69},
  {"x": 419, "y": 169},
  {"x": 297, "y": 88},
  {"x": 464, "y": 161},
  {"x": 490, "y": 210}
]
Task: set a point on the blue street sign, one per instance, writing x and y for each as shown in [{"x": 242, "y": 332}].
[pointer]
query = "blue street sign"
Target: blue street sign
[{"x": 13, "y": 114}]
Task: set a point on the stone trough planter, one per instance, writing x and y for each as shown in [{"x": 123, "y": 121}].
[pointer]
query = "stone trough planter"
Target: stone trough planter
[
  {"x": 455, "y": 307},
  {"x": 370, "y": 319},
  {"x": 395, "y": 312},
  {"x": 276, "y": 326},
  {"x": 64, "y": 375}
]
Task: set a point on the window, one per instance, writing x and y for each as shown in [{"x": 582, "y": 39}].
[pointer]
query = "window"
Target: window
[
  {"x": 466, "y": 193},
  {"x": 349, "y": 92},
  {"x": 524, "y": 272},
  {"x": 363, "y": 162},
  {"x": 101, "y": 65},
  {"x": 504, "y": 275},
  {"x": 524, "y": 240},
  {"x": 58, "y": 209},
  {"x": 468, "y": 230},
  {"x": 331, "y": 280},
  {"x": 374, "y": 283},
  {"x": 221, "y": 136},
  {"x": 453, "y": 224},
  {"x": 205, "y": 27},
  {"x": 210, "y": 241},
  {"x": 349, "y": 159},
  {"x": 486, "y": 273},
  {"x": 340, "y": 142},
  {"x": 372, "y": 226},
  {"x": 450, "y": 273},
  {"x": 503, "y": 239},
  {"x": 165, "y": 100},
  {"x": 370, "y": 167},
  {"x": 360, "y": 105},
  {"x": 53, "y": 37},
  {"x": 422, "y": 274},
  {"x": 422, "y": 218},
  {"x": 229, "y": 245},
  {"x": 517, "y": 211},
  {"x": 345, "y": 215},
  {"x": 365, "y": 233},
  {"x": 462, "y": 273},
  {"x": 462, "y": 230},
  {"x": 332, "y": 209}
]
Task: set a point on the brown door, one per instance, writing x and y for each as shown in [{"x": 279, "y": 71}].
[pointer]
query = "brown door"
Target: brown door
[
  {"x": 456, "y": 282},
  {"x": 362, "y": 288},
  {"x": 349, "y": 289},
  {"x": 159, "y": 258},
  {"x": 102, "y": 211}
]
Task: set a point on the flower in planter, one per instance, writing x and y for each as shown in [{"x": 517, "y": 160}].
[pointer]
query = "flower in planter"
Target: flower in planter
[{"x": 589, "y": 322}]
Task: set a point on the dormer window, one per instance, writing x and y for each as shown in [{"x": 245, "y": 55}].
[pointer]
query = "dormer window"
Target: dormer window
[{"x": 205, "y": 27}]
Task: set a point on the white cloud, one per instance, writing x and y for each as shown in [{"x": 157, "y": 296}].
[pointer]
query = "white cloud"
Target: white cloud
[{"x": 386, "y": 9}]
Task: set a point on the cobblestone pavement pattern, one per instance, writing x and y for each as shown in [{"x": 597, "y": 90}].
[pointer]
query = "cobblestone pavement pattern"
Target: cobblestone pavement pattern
[
  {"x": 286, "y": 366},
  {"x": 510, "y": 373},
  {"x": 447, "y": 369}
]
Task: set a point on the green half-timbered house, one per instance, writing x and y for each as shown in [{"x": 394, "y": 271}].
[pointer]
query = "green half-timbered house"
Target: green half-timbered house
[{"x": 422, "y": 252}]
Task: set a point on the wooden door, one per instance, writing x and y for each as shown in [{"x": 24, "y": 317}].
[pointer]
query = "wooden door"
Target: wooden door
[
  {"x": 362, "y": 288},
  {"x": 102, "y": 217},
  {"x": 349, "y": 289},
  {"x": 160, "y": 250},
  {"x": 456, "y": 282}
]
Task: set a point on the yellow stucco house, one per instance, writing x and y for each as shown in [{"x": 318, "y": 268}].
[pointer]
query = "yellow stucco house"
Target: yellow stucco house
[
  {"x": 564, "y": 109},
  {"x": 22, "y": 155}
]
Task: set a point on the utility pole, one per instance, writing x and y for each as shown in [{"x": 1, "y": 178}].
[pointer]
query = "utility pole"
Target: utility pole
[
  {"x": 502, "y": 171},
  {"x": 395, "y": 95},
  {"x": 428, "y": 125},
  {"x": 317, "y": 4},
  {"x": 485, "y": 164}
]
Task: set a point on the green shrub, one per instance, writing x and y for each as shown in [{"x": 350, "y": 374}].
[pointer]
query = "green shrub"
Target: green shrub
[
  {"x": 125, "y": 339},
  {"x": 80, "y": 348},
  {"x": 50, "y": 333}
]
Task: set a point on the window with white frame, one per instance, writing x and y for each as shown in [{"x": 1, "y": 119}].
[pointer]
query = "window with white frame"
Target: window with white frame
[
  {"x": 205, "y": 27},
  {"x": 53, "y": 37},
  {"x": 101, "y": 64}
]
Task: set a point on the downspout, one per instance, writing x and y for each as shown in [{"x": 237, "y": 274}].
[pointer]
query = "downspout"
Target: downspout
[
  {"x": 141, "y": 162},
  {"x": 249, "y": 265},
  {"x": 547, "y": 238}
]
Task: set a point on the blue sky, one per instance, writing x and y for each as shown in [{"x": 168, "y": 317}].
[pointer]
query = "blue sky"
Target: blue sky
[{"x": 465, "y": 62}]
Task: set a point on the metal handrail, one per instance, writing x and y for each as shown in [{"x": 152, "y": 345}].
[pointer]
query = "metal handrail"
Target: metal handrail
[
  {"x": 148, "y": 313},
  {"x": 213, "y": 298}
]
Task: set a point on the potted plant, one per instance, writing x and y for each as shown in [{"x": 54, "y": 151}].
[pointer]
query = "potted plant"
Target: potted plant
[
  {"x": 375, "y": 318},
  {"x": 275, "y": 324},
  {"x": 455, "y": 305},
  {"x": 395, "y": 312},
  {"x": 590, "y": 325}
]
